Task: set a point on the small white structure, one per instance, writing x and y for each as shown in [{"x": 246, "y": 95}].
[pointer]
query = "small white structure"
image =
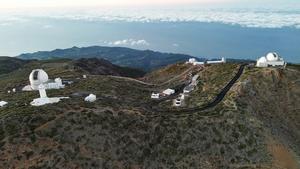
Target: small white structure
[
  {"x": 14, "y": 90},
  {"x": 84, "y": 76},
  {"x": 177, "y": 102},
  {"x": 155, "y": 96},
  {"x": 43, "y": 100},
  {"x": 181, "y": 96},
  {"x": 188, "y": 89},
  {"x": 195, "y": 80},
  {"x": 223, "y": 60},
  {"x": 56, "y": 84},
  {"x": 3, "y": 103},
  {"x": 8, "y": 91},
  {"x": 168, "y": 92},
  {"x": 270, "y": 60},
  {"x": 195, "y": 62},
  {"x": 90, "y": 98}
]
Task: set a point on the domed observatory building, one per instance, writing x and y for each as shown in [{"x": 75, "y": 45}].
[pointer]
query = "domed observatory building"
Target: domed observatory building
[
  {"x": 37, "y": 77},
  {"x": 271, "y": 60}
]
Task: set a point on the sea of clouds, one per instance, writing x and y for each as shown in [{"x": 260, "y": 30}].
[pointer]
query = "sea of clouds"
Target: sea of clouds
[{"x": 257, "y": 18}]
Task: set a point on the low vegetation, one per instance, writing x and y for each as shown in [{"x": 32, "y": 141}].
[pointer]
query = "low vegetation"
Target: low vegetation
[{"x": 118, "y": 131}]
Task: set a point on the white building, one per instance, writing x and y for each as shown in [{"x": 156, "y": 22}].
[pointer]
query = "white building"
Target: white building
[
  {"x": 195, "y": 80},
  {"x": 90, "y": 98},
  {"x": 271, "y": 60},
  {"x": 3, "y": 103},
  {"x": 39, "y": 76},
  {"x": 43, "y": 100},
  {"x": 194, "y": 62},
  {"x": 56, "y": 84},
  {"x": 223, "y": 60},
  {"x": 188, "y": 89},
  {"x": 168, "y": 92},
  {"x": 181, "y": 96},
  {"x": 155, "y": 96}
]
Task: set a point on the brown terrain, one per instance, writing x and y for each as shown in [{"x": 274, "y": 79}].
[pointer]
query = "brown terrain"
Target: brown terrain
[{"x": 256, "y": 125}]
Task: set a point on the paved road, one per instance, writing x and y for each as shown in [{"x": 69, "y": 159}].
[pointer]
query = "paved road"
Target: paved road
[{"x": 213, "y": 103}]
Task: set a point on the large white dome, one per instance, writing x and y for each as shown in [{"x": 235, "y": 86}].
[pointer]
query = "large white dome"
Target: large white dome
[
  {"x": 272, "y": 57},
  {"x": 262, "y": 60},
  {"x": 37, "y": 77}
]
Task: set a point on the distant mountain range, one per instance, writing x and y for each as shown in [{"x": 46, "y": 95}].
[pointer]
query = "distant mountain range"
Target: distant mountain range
[
  {"x": 146, "y": 60},
  {"x": 93, "y": 66}
]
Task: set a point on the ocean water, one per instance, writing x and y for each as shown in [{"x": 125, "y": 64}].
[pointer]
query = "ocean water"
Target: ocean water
[{"x": 200, "y": 39}]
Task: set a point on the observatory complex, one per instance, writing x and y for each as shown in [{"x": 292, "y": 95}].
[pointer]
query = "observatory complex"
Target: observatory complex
[
  {"x": 39, "y": 81},
  {"x": 39, "y": 76},
  {"x": 271, "y": 60}
]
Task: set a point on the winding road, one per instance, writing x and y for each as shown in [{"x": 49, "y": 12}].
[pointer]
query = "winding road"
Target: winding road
[{"x": 213, "y": 103}]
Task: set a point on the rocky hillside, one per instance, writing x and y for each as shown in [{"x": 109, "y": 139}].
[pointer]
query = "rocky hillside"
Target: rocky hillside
[
  {"x": 120, "y": 130},
  {"x": 273, "y": 97},
  {"x": 145, "y": 60}
]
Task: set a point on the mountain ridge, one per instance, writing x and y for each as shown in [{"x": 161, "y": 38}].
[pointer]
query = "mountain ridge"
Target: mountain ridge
[{"x": 146, "y": 60}]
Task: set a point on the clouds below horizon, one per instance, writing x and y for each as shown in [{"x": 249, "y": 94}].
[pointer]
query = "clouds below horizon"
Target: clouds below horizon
[
  {"x": 246, "y": 18},
  {"x": 255, "y": 18},
  {"x": 127, "y": 42}
]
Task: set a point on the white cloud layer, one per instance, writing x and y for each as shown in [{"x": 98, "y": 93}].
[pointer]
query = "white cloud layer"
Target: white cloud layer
[
  {"x": 128, "y": 42},
  {"x": 244, "y": 17}
]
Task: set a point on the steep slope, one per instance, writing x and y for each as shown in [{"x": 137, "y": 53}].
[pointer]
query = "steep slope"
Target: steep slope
[
  {"x": 273, "y": 96},
  {"x": 144, "y": 60}
]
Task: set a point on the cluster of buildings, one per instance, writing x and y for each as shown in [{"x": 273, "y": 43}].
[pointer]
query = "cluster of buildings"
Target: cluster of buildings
[
  {"x": 180, "y": 99},
  {"x": 39, "y": 81},
  {"x": 164, "y": 93},
  {"x": 188, "y": 89},
  {"x": 195, "y": 62},
  {"x": 270, "y": 60},
  {"x": 39, "y": 76}
]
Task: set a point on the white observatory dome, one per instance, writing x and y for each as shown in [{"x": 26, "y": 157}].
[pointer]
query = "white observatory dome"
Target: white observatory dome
[
  {"x": 37, "y": 77},
  {"x": 272, "y": 57},
  {"x": 262, "y": 60}
]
